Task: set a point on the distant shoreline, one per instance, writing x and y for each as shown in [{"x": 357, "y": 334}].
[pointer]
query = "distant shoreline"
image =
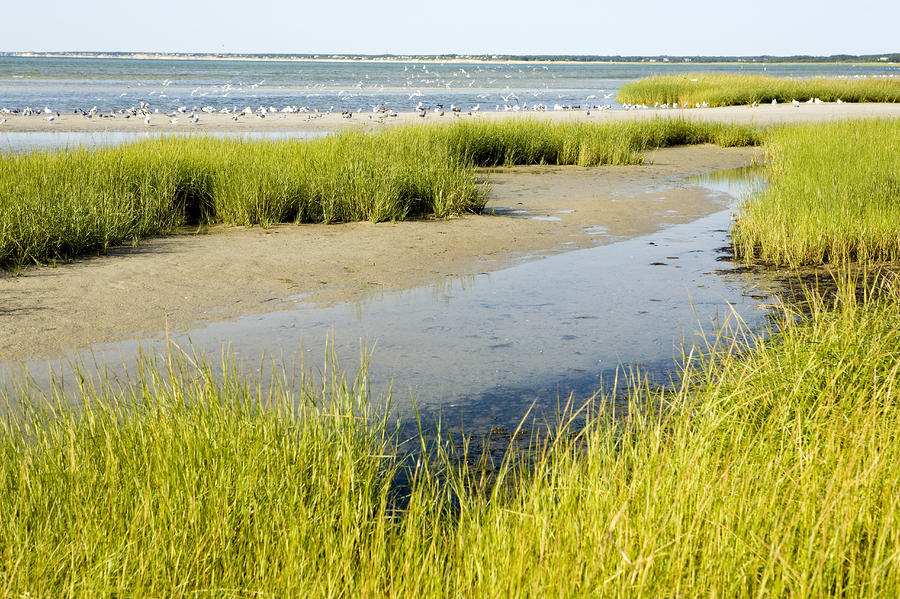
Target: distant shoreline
[{"x": 862, "y": 60}]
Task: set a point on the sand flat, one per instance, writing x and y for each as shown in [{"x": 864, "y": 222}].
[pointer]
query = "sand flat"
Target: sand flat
[
  {"x": 766, "y": 114},
  {"x": 181, "y": 281}
]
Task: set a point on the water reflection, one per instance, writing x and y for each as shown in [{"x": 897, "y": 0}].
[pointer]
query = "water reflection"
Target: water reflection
[{"x": 739, "y": 183}]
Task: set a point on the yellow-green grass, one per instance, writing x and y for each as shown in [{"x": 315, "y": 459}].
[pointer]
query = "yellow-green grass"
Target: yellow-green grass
[
  {"x": 770, "y": 472},
  {"x": 530, "y": 141},
  {"x": 56, "y": 205},
  {"x": 833, "y": 196},
  {"x": 734, "y": 90},
  {"x": 61, "y": 204}
]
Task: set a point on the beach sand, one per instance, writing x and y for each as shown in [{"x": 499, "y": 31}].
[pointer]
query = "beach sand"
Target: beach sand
[
  {"x": 184, "y": 280},
  {"x": 327, "y": 122}
]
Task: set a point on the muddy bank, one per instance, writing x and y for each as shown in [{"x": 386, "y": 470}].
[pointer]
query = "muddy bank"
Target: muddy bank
[{"x": 187, "y": 279}]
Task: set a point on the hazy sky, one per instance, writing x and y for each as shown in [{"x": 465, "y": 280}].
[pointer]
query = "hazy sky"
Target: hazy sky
[{"x": 723, "y": 27}]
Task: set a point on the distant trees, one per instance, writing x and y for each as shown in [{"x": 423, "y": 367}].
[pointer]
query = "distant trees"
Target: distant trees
[{"x": 835, "y": 58}]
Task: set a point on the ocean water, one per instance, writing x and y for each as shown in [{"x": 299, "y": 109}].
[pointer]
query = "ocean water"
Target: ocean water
[{"x": 68, "y": 84}]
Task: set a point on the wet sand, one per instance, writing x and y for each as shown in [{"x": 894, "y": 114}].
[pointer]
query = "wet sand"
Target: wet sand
[
  {"x": 761, "y": 115},
  {"x": 184, "y": 280}
]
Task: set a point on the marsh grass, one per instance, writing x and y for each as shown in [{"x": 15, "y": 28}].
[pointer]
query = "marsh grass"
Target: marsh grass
[
  {"x": 57, "y": 205},
  {"x": 734, "y": 90},
  {"x": 770, "y": 471},
  {"x": 61, "y": 204},
  {"x": 530, "y": 142},
  {"x": 184, "y": 481},
  {"x": 833, "y": 196}
]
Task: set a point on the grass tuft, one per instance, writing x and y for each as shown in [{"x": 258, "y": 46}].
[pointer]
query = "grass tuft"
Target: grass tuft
[
  {"x": 833, "y": 196},
  {"x": 734, "y": 90}
]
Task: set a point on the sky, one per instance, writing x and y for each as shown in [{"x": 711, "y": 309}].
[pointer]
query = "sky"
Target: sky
[{"x": 648, "y": 27}]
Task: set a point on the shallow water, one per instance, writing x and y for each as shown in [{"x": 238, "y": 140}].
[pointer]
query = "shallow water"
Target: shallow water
[
  {"x": 65, "y": 84},
  {"x": 13, "y": 141},
  {"x": 481, "y": 349}
]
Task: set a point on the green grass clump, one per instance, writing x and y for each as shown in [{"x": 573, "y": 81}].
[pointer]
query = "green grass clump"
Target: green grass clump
[
  {"x": 770, "y": 472},
  {"x": 527, "y": 141},
  {"x": 346, "y": 177},
  {"x": 833, "y": 196},
  {"x": 56, "y": 205},
  {"x": 734, "y": 90},
  {"x": 193, "y": 483}
]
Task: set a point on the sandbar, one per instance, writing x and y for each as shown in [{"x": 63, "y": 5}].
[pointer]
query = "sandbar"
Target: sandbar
[{"x": 763, "y": 115}]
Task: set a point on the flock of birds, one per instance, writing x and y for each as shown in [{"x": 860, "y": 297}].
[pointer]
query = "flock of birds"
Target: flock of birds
[
  {"x": 144, "y": 111},
  {"x": 413, "y": 80},
  {"x": 482, "y": 81},
  {"x": 380, "y": 112}
]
